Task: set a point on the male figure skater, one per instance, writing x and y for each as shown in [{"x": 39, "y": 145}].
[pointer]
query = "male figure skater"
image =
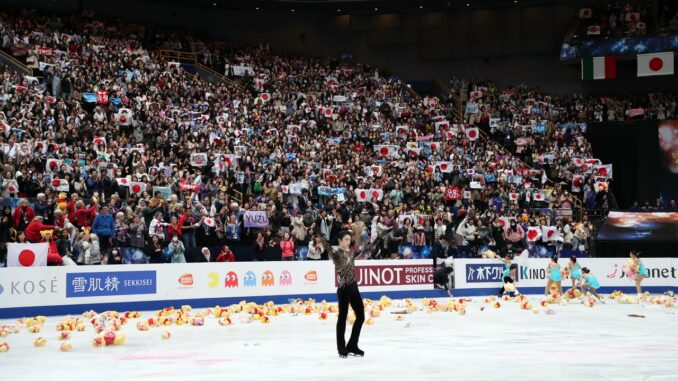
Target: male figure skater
[{"x": 347, "y": 292}]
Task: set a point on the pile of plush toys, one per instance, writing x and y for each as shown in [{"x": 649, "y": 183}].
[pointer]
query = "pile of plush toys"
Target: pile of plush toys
[{"x": 108, "y": 325}]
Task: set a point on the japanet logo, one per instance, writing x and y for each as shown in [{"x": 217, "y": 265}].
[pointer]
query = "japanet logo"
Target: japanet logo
[
  {"x": 311, "y": 277},
  {"x": 186, "y": 280}
]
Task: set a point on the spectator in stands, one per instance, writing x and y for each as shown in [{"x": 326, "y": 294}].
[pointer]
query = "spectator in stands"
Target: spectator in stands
[
  {"x": 23, "y": 215},
  {"x": 104, "y": 227},
  {"x": 155, "y": 250},
  {"x": 514, "y": 234},
  {"x": 34, "y": 228},
  {"x": 287, "y": 247},
  {"x": 226, "y": 255}
]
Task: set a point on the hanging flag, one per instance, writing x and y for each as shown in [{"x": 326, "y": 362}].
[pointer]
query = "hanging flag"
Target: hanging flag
[
  {"x": 533, "y": 233},
  {"x": 604, "y": 170},
  {"x": 655, "y": 64},
  {"x": 599, "y": 67},
  {"x": 60, "y": 185},
  {"x": 137, "y": 187},
  {"x": 472, "y": 133},
  {"x": 27, "y": 254}
]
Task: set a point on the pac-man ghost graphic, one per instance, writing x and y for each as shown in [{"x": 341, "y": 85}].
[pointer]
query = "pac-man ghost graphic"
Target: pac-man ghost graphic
[
  {"x": 267, "y": 279},
  {"x": 231, "y": 279},
  {"x": 285, "y": 278},
  {"x": 249, "y": 280}
]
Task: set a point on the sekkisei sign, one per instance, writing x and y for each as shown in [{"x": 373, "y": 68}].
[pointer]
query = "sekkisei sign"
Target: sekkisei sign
[{"x": 256, "y": 219}]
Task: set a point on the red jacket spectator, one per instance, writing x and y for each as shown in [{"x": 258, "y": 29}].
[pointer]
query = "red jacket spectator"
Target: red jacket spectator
[
  {"x": 226, "y": 255},
  {"x": 83, "y": 216},
  {"x": 287, "y": 248},
  {"x": 25, "y": 212},
  {"x": 33, "y": 230},
  {"x": 174, "y": 229}
]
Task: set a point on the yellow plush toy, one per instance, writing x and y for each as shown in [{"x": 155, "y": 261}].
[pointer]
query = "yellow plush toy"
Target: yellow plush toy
[
  {"x": 40, "y": 342},
  {"x": 62, "y": 204}
]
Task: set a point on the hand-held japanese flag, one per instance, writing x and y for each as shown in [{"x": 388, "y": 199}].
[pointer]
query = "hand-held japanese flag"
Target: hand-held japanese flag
[
  {"x": 386, "y": 150},
  {"x": 550, "y": 233},
  {"x": 604, "y": 170},
  {"x": 265, "y": 97},
  {"x": 538, "y": 196},
  {"x": 27, "y": 254},
  {"x": 655, "y": 64},
  {"x": 445, "y": 166},
  {"x": 137, "y": 187},
  {"x": 362, "y": 195},
  {"x": 472, "y": 133},
  {"x": 123, "y": 181},
  {"x": 513, "y": 196},
  {"x": 52, "y": 165},
  {"x": 60, "y": 185},
  {"x": 577, "y": 183},
  {"x": 533, "y": 233}
]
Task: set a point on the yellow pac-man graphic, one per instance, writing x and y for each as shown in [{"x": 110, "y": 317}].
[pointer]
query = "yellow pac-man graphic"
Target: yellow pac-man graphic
[{"x": 213, "y": 279}]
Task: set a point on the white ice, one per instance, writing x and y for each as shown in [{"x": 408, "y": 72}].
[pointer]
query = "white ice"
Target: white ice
[{"x": 577, "y": 343}]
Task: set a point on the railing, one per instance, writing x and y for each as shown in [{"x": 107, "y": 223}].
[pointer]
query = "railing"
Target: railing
[
  {"x": 176, "y": 56},
  {"x": 452, "y": 95},
  {"x": 211, "y": 72},
  {"x": 16, "y": 64},
  {"x": 236, "y": 196},
  {"x": 409, "y": 90}
]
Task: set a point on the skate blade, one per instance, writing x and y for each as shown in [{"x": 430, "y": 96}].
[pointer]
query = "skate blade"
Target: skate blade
[{"x": 356, "y": 355}]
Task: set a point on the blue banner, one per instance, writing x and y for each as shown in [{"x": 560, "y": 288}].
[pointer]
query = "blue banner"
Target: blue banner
[
  {"x": 484, "y": 273},
  {"x": 110, "y": 283}
]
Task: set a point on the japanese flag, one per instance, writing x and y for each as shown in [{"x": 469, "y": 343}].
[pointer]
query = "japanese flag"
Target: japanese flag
[
  {"x": 470, "y": 171},
  {"x": 604, "y": 170},
  {"x": 445, "y": 166},
  {"x": 402, "y": 130},
  {"x": 467, "y": 194},
  {"x": 230, "y": 161},
  {"x": 259, "y": 84},
  {"x": 123, "y": 117},
  {"x": 12, "y": 186},
  {"x": 327, "y": 112},
  {"x": 265, "y": 97},
  {"x": 504, "y": 222},
  {"x": 375, "y": 170},
  {"x": 593, "y": 162},
  {"x": 137, "y": 187},
  {"x": 27, "y": 254},
  {"x": 550, "y": 233},
  {"x": 386, "y": 150},
  {"x": 362, "y": 195},
  {"x": 413, "y": 151},
  {"x": 513, "y": 196},
  {"x": 538, "y": 196},
  {"x": 578, "y": 161},
  {"x": 122, "y": 181},
  {"x": 435, "y": 146},
  {"x": 443, "y": 126},
  {"x": 60, "y": 185},
  {"x": 209, "y": 221},
  {"x": 53, "y": 165},
  {"x": 533, "y": 233},
  {"x": 41, "y": 147},
  {"x": 377, "y": 194},
  {"x": 472, "y": 133}
]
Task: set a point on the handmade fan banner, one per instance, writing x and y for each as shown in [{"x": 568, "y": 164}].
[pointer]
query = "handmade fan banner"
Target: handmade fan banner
[
  {"x": 198, "y": 159},
  {"x": 255, "y": 219}
]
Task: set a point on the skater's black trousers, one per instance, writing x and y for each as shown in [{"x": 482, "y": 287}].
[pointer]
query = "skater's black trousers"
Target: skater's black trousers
[{"x": 349, "y": 294}]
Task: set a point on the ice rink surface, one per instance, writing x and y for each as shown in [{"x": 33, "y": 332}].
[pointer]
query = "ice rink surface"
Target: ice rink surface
[{"x": 506, "y": 343}]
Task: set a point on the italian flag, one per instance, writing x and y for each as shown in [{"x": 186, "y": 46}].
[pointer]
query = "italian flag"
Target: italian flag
[{"x": 599, "y": 67}]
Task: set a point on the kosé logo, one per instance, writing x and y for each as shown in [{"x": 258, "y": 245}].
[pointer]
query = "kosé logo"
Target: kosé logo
[
  {"x": 311, "y": 277},
  {"x": 186, "y": 280}
]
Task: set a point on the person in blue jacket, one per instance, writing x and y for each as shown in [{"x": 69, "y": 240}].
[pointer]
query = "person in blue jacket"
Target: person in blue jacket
[
  {"x": 590, "y": 283},
  {"x": 104, "y": 227}
]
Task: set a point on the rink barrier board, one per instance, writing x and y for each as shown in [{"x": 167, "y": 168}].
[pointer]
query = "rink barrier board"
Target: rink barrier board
[
  {"x": 537, "y": 291},
  {"x": 480, "y": 276},
  {"x": 64, "y": 289}
]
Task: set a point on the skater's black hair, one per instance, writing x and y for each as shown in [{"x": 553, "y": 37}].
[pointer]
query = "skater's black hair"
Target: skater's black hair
[
  {"x": 554, "y": 258},
  {"x": 573, "y": 259},
  {"x": 635, "y": 253},
  {"x": 343, "y": 234},
  {"x": 514, "y": 266},
  {"x": 585, "y": 270}
]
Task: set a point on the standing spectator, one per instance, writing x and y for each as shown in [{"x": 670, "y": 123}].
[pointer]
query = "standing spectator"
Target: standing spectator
[
  {"x": 23, "y": 215},
  {"x": 34, "y": 228},
  {"x": 315, "y": 248},
  {"x": 287, "y": 247},
  {"x": 260, "y": 247},
  {"x": 154, "y": 250},
  {"x": 176, "y": 250},
  {"x": 104, "y": 227}
]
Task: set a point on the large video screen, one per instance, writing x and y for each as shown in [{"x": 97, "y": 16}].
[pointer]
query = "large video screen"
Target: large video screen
[
  {"x": 638, "y": 226},
  {"x": 668, "y": 151}
]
